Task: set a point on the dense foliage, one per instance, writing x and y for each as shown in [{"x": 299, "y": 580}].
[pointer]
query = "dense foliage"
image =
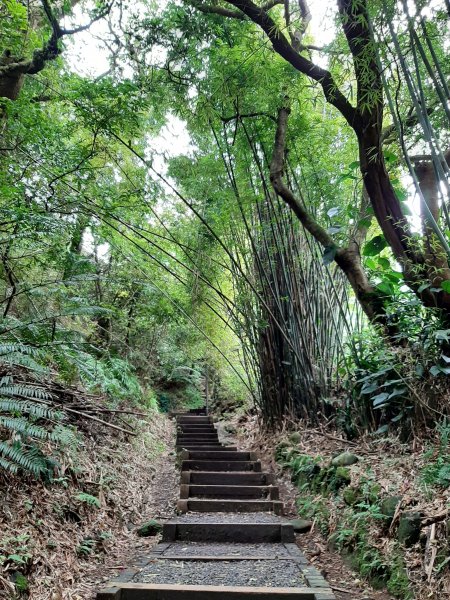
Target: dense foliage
[{"x": 228, "y": 201}]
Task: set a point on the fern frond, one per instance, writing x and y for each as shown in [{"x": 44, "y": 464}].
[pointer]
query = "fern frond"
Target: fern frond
[
  {"x": 26, "y": 391},
  {"x": 23, "y": 426},
  {"x": 30, "y": 459},
  {"x": 86, "y": 310},
  {"x": 64, "y": 436},
  {"x": 12, "y": 347},
  {"x": 24, "y": 360},
  {"x": 39, "y": 411},
  {"x": 88, "y": 499},
  {"x": 8, "y": 465}
]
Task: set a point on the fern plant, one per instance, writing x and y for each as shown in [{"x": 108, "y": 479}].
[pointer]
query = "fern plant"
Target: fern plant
[
  {"x": 88, "y": 499},
  {"x": 26, "y": 421}
]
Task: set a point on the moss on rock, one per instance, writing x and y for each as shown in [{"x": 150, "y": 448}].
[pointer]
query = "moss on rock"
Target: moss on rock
[{"x": 149, "y": 528}]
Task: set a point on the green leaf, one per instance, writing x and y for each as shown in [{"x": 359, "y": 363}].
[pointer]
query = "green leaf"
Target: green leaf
[
  {"x": 16, "y": 558},
  {"x": 379, "y": 399},
  {"x": 445, "y": 285},
  {"x": 437, "y": 370},
  {"x": 389, "y": 156},
  {"x": 382, "y": 429},
  {"x": 365, "y": 222},
  {"x": 393, "y": 276},
  {"x": 397, "y": 392},
  {"x": 375, "y": 246},
  {"x": 398, "y": 417},
  {"x": 375, "y": 375},
  {"x": 419, "y": 369},
  {"x": 332, "y": 212},
  {"x": 369, "y": 388},
  {"x": 345, "y": 176},
  {"x": 442, "y": 334},
  {"x": 385, "y": 288},
  {"x": 384, "y": 262}
]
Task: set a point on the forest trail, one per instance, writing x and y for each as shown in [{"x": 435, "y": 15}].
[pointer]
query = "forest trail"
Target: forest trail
[{"x": 230, "y": 540}]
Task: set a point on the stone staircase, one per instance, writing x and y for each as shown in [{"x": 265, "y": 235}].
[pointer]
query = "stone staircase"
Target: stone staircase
[{"x": 229, "y": 540}]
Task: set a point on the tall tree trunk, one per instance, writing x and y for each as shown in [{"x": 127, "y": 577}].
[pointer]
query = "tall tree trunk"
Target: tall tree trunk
[{"x": 76, "y": 242}]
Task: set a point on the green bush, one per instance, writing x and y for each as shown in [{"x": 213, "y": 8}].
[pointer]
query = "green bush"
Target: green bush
[{"x": 436, "y": 472}]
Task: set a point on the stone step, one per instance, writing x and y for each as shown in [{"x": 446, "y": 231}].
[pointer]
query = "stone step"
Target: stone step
[
  {"x": 226, "y": 532},
  {"x": 198, "y": 436},
  {"x": 229, "y": 491},
  {"x": 202, "y": 423},
  {"x": 199, "y": 431},
  {"x": 194, "y": 419},
  {"x": 197, "y": 440},
  {"x": 205, "y": 446},
  {"x": 183, "y": 442},
  {"x": 201, "y": 442},
  {"x": 237, "y": 478},
  {"x": 192, "y": 430},
  {"x": 221, "y": 465},
  {"x": 214, "y": 443},
  {"x": 183, "y": 432},
  {"x": 148, "y": 591},
  {"x": 234, "y": 506},
  {"x": 218, "y": 455}
]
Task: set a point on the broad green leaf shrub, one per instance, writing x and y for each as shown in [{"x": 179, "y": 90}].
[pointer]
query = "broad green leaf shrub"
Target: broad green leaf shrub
[
  {"x": 436, "y": 472},
  {"x": 387, "y": 383}
]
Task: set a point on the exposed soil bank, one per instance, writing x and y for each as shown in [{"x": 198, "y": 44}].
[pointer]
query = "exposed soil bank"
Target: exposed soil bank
[{"x": 70, "y": 535}]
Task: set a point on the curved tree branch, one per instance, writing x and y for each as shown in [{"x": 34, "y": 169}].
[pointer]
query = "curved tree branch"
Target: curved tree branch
[
  {"x": 348, "y": 259},
  {"x": 12, "y": 69},
  {"x": 283, "y": 47},
  {"x": 211, "y": 9}
]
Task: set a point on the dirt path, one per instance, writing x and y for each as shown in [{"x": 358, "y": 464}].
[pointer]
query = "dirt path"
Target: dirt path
[{"x": 158, "y": 502}]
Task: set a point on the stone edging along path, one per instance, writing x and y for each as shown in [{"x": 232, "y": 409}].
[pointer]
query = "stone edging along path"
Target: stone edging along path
[{"x": 230, "y": 540}]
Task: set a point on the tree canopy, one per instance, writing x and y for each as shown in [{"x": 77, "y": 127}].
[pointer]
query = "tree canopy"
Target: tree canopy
[{"x": 232, "y": 198}]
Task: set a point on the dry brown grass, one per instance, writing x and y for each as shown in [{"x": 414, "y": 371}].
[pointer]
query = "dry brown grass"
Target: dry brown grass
[
  {"x": 396, "y": 467},
  {"x": 133, "y": 479}
]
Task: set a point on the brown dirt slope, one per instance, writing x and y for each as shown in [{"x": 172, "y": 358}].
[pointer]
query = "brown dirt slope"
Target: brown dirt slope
[
  {"x": 66, "y": 543},
  {"x": 397, "y": 468}
]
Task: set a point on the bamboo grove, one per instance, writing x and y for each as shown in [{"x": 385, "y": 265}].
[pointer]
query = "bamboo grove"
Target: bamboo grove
[{"x": 296, "y": 249}]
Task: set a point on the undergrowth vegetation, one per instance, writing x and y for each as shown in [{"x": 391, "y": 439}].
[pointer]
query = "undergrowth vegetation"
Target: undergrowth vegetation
[
  {"x": 377, "y": 512},
  {"x": 55, "y": 534}
]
